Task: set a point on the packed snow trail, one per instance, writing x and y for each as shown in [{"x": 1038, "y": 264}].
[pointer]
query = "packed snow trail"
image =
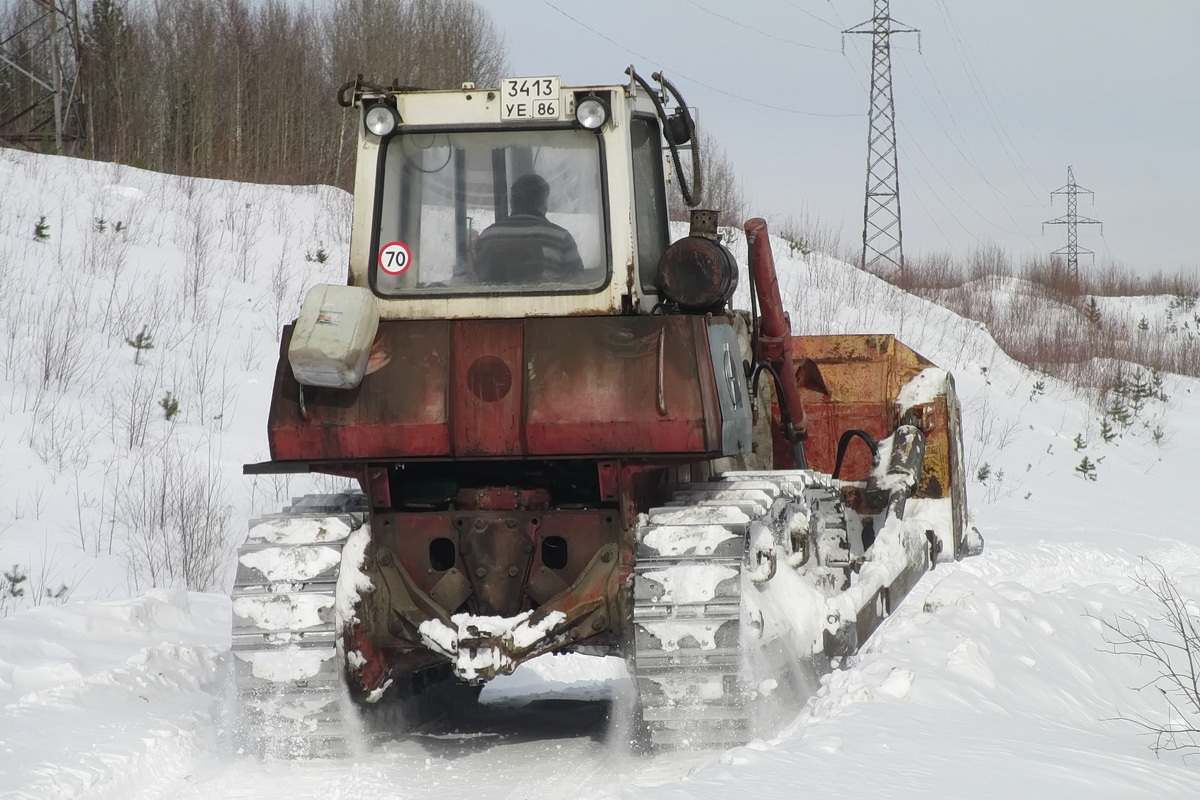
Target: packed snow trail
[
  {"x": 101, "y": 697},
  {"x": 991, "y": 678}
]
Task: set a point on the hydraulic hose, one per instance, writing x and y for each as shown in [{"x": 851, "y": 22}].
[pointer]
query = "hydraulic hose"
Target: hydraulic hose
[{"x": 684, "y": 189}]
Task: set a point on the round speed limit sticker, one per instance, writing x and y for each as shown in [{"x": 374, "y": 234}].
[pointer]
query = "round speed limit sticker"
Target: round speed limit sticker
[{"x": 394, "y": 258}]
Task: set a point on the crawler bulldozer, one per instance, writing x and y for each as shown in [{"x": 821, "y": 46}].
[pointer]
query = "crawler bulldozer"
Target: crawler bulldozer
[{"x": 565, "y": 439}]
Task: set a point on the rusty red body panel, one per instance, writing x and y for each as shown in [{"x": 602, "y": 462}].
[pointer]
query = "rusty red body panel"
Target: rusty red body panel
[
  {"x": 560, "y": 387},
  {"x": 400, "y": 409},
  {"x": 775, "y": 342},
  {"x": 864, "y": 375},
  {"x": 488, "y": 389},
  {"x": 409, "y": 535},
  {"x": 620, "y": 385}
]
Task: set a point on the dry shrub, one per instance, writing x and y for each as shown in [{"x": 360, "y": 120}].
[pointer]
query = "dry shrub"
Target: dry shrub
[
  {"x": 933, "y": 273},
  {"x": 1047, "y": 316},
  {"x": 174, "y": 519},
  {"x": 1117, "y": 280},
  {"x": 1052, "y": 274},
  {"x": 807, "y": 234}
]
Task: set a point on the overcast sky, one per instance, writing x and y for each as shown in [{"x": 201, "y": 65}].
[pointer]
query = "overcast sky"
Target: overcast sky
[{"x": 1000, "y": 99}]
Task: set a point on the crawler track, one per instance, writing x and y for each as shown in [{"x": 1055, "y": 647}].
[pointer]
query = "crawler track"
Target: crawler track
[
  {"x": 285, "y": 649},
  {"x": 695, "y": 634}
]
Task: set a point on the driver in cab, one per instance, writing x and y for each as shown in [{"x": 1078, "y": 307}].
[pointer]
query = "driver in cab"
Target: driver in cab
[{"x": 525, "y": 247}]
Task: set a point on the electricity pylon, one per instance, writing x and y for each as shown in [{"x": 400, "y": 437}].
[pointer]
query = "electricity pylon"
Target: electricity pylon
[
  {"x": 1071, "y": 220},
  {"x": 45, "y": 51},
  {"x": 882, "y": 240}
]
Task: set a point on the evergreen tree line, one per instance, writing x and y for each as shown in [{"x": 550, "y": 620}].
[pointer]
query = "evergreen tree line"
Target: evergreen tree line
[{"x": 243, "y": 89}]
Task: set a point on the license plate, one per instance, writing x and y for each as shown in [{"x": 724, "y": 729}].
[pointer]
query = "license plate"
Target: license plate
[{"x": 530, "y": 98}]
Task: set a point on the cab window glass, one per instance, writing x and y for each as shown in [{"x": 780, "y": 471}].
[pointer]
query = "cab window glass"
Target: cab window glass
[
  {"x": 649, "y": 202},
  {"x": 490, "y": 212}
]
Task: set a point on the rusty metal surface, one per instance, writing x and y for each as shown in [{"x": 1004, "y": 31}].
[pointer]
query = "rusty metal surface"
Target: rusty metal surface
[
  {"x": 488, "y": 390},
  {"x": 572, "y": 386},
  {"x": 409, "y": 537},
  {"x": 697, "y": 273},
  {"x": 401, "y": 407},
  {"x": 502, "y": 498},
  {"x": 498, "y": 569},
  {"x": 864, "y": 375},
  {"x": 703, "y": 222},
  {"x": 776, "y": 344},
  {"x": 593, "y": 384},
  {"x": 941, "y": 423},
  {"x": 496, "y": 558}
]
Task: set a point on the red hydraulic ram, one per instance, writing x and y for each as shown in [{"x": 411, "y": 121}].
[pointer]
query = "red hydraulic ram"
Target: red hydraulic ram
[{"x": 774, "y": 344}]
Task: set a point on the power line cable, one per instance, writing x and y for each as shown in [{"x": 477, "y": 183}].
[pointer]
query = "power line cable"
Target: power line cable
[
  {"x": 1006, "y": 146},
  {"x": 953, "y": 190},
  {"x": 697, "y": 81},
  {"x": 1013, "y": 153},
  {"x": 809, "y": 14},
  {"x": 920, "y": 200},
  {"x": 965, "y": 154},
  {"x": 836, "y": 16},
  {"x": 744, "y": 26},
  {"x": 928, "y": 163}
]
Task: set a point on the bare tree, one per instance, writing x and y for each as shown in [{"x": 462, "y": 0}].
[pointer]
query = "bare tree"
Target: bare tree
[
  {"x": 245, "y": 89},
  {"x": 174, "y": 520},
  {"x": 1170, "y": 643}
]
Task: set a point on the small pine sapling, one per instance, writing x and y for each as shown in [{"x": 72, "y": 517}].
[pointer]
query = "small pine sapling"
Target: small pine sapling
[
  {"x": 11, "y": 586},
  {"x": 1156, "y": 386},
  {"x": 1118, "y": 412},
  {"x": 1140, "y": 391},
  {"x": 1087, "y": 468},
  {"x": 170, "y": 406},
  {"x": 143, "y": 341},
  {"x": 1039, "y": 389},
  {"x": 1183, "y": 300},
  {"x": 1080, "y": 443},
  {"x": 41, "y": 230}
]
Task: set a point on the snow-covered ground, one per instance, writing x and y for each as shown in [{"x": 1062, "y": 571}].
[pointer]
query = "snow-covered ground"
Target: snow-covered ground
[{"x": 993, "y": 680}]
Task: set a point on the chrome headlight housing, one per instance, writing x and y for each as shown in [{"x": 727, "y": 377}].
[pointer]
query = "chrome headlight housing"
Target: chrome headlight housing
[
  {"x": 381, "y": 119},
  {"x": 592, "y": 112}
]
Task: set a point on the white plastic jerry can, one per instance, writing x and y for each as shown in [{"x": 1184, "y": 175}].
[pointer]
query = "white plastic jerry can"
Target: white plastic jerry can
[{"x": 333, "y": 336}]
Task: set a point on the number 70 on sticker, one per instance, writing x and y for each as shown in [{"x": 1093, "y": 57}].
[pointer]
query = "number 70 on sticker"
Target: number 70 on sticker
[{"x": 394, "y": 258}]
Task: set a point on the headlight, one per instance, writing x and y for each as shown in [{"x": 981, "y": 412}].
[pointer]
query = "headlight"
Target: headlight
[
  {"x": 381, "y": 119},
  {"x": 591, "y": 112}
]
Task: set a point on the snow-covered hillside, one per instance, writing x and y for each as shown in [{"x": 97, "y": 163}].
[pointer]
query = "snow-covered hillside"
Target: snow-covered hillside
[
  {"x": 992, "y": 681},
  {"x": 205, "y": 273}
]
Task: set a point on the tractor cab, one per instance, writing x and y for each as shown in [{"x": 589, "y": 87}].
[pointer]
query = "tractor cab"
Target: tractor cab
[{"x": 531, "y": 200}]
